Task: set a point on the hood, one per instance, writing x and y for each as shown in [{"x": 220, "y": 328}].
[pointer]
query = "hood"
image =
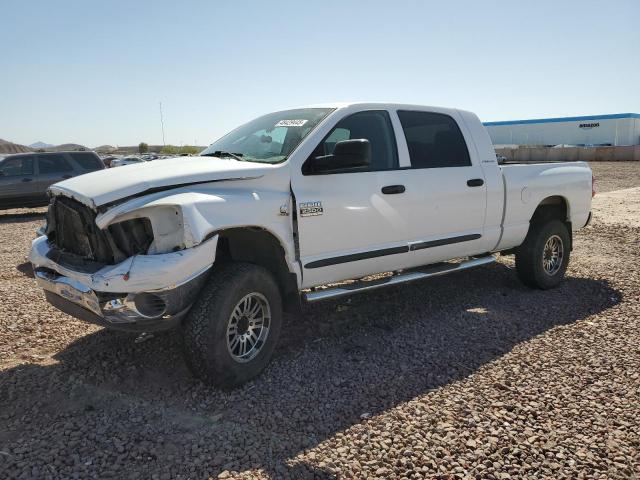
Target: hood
[{"x": 105, "y": 186}]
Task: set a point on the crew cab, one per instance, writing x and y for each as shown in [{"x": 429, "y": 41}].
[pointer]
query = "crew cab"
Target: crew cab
[{"x": 284, "y": 210}]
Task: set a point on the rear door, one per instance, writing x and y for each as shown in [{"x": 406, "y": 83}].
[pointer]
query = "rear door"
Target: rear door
[
  {"x": 53, "y": 168},
  {"x": 18, "y": 182},
  {"x": 445, "y": 199},
  {"x": 86, "y": 161}
]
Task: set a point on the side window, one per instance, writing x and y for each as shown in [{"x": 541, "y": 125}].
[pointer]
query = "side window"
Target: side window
[
  {"x": 14, "y": 166},
  {"x": 373, "y": 125},
  {"x": 86, "y": 160},
  {"x": 434, "y": 140},
  {"x": 53, "y": 164}
]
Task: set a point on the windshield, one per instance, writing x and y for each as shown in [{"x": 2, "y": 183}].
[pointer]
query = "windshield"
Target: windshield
[{"x": 270, "y": 138}]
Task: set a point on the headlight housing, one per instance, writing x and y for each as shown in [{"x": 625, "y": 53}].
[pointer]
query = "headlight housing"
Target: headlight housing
[{"x": 149, "y": 231}]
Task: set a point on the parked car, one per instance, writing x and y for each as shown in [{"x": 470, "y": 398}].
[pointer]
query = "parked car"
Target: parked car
[
  {"x": 25, "y": 177},
  {"x": 130, "y": 160},
  {"x": 220, "y": 244},
  {"x": 107, "y": 159}
]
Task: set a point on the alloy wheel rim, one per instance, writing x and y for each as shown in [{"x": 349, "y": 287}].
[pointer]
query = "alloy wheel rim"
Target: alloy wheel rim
[
  {"x": 552, "y": 255},
  {"x": 248, "y": 327}
]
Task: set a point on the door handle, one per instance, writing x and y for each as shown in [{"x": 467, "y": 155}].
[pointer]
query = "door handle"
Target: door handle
[
  {"x": 66, "y": 176},
  {"x": 27, "y": 179},
  {"x": 475, "y": 182},
  {"x": 393, "y": 189}
]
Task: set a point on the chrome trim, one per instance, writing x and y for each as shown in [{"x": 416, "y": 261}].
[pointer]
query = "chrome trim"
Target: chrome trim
[
  {"x": 430, "y": 271},
  {"x": 68, "y": 288}
]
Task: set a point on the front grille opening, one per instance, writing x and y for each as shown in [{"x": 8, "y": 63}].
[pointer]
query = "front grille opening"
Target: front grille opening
[
  {"x": 71, "y": 229},
  {"x": 132, "y": 237}
]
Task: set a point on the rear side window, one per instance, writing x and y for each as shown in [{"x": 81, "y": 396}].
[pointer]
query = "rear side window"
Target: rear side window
[
  {"x": 53, "y": 164},
  {"x": 14, "y": 166},
  {"x": 434, "y": 140},
  {"x": 87, "y": 160}
]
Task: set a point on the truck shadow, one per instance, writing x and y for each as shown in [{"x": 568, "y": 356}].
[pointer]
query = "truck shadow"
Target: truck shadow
[{"x": 337, "y": 363}]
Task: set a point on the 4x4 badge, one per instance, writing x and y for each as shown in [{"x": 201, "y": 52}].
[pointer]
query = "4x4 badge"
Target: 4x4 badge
[{"x": 310, "y": 209}]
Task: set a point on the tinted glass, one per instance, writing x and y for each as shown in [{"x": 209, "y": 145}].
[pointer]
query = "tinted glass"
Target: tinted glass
[
  {"x": 374, "y": 126},
  {"x": 87, "y": 160},
  {"x": 53, "y": 164},
  {"x": 270, "y": 138},
  {"x": 17, "y": 166},
  {"x": 434, "y": 140}
]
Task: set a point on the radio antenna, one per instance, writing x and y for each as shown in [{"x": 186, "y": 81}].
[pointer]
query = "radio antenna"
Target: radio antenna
[{"x": 162, "y": 125}]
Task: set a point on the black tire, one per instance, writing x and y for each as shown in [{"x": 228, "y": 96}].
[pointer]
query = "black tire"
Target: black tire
[
  {"x": 529, "y": 256},
  {"x": 206, "y": 349}
]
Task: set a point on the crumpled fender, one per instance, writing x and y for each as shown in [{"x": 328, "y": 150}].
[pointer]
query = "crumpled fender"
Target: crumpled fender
[
  {"x": 203, "y": 212},
  {"x": 187, "y": 221}
]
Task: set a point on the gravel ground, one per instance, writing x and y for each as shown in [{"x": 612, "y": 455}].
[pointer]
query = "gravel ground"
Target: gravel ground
[
  {"x": 467, "y": 376},
  {"x": 615, "y": 175}
]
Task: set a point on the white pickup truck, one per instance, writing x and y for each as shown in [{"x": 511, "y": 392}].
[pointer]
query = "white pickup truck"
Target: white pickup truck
[{"x": 220, "y": 244}]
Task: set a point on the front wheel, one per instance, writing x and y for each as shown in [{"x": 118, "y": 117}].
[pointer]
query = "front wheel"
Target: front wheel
[
  {"x": 232, "y": 329},
  {"x": 542, "y": 259}
]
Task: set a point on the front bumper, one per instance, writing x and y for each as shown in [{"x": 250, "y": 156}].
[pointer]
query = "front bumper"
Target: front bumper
[
  {"x": 144, "y": 293},
  {"x": 120, "y": 311}
]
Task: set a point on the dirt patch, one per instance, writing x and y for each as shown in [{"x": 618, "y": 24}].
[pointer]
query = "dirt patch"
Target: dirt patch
[
  {"x": 615, "y": 175},
  {"x": 618, "y": 207}
]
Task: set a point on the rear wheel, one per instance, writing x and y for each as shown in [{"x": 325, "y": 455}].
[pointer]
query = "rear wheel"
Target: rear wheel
[
  {"x": 232, "y": 329},
  {"x": 542, "y": 259}
]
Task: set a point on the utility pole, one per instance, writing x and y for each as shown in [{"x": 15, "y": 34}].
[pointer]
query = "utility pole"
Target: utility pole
[{"x": 162, "y": 125}]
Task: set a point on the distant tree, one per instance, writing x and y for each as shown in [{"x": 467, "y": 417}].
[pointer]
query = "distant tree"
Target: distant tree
[
  {"x": 169, "y": 150},
  {"x": 143, "y": 147},
  {"x": 183, "y": 150},
  {"x": 188, "y": 149}
]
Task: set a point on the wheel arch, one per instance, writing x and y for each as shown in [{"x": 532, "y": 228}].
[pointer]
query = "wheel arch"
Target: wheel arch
[
  {"x": 554, "y": 207},
  {"x": 259, "y": 246}
]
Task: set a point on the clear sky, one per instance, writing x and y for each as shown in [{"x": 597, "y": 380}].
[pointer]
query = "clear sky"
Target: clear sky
[{"x": 93, "y": 72}]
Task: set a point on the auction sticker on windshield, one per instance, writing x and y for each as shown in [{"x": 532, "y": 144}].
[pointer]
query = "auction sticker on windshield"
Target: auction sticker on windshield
[{"x": 291, "y": 123}]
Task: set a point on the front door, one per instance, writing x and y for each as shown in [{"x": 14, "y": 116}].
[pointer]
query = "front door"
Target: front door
[
  {"x": 346, "y": 224},
  {"x": 18, "y": 182}
]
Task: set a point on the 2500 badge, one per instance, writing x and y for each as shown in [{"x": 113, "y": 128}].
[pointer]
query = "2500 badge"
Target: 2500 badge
[{"x": 310, "y": 209}]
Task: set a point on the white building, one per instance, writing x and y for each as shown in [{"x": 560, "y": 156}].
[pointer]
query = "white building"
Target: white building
[{"x": 617, "y": 129}]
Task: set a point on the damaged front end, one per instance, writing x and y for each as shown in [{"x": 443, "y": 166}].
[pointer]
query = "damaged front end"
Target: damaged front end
[{"x": 125, "y": 268}]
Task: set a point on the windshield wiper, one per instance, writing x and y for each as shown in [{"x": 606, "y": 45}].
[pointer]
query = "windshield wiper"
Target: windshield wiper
[{"x": 221, "y": 154}]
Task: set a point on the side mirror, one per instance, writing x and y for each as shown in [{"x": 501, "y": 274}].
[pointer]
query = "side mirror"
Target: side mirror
[{"x": 346, "y": 154}]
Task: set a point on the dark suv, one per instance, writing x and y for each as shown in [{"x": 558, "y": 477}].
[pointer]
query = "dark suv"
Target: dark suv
[{"x": 25, "y": 177}]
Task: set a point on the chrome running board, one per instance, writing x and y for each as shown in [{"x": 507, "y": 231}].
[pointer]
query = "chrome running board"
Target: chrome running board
[{"x": 402, "y": 277}]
